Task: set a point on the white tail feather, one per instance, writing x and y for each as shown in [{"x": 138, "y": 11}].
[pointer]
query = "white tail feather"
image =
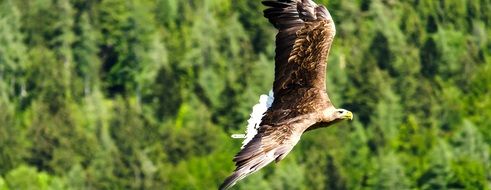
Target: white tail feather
[{"x": 257, "y": 114}]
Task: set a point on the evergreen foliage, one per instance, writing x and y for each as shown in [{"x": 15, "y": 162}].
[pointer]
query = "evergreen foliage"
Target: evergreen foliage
[{"x": 144, "y": 94}]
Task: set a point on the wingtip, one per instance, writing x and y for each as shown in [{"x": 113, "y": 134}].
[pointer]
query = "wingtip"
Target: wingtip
[{"x": 230, "y": 181}]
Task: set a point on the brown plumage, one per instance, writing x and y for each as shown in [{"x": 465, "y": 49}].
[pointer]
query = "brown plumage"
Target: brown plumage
[{"x": 305, "y": 34}]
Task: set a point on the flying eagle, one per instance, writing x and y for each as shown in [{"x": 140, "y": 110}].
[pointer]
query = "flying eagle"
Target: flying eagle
[{"x": 305, "y": 34}]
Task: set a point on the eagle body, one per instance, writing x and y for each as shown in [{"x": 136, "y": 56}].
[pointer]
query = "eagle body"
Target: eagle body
[{"x": 305, "y": 34}]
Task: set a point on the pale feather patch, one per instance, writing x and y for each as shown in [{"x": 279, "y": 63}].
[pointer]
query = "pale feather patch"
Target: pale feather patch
[{"x": 257, "y": 114}]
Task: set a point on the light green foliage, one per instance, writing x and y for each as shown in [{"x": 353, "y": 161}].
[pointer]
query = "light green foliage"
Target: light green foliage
[
  {"x": 85, "y": 51},
  {"x": 3, "y": 184},
  {"x": 12, "y": 50},
  {"x": 26, "y": 177},
  {"x": 13, "y": 145},
  {"x": 291, "y": 175},
  {"x": 388, "y": 174},
  {"x": 144, "y": 94}
]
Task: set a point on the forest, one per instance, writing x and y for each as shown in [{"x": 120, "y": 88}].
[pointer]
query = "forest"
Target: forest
[{"x": 144, "y": 94}]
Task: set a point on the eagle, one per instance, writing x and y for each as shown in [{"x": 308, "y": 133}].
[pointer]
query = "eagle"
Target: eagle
[{"x": 298, "y": 101}]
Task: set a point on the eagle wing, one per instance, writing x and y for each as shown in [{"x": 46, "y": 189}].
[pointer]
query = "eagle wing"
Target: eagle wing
[
  {"x": 305, "y": 34},
  {"x": 271, "y": 143}
]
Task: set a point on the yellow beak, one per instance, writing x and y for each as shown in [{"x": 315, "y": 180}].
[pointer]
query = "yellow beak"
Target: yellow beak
[{"x": 348, "y": 115}]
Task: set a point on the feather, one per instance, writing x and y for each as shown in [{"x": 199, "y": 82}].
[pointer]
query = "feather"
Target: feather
[
  {"x": 256, "y": 116},
  {"x": 258, "y": 110},
  {"x": 231, "y": 180},
  {"x": 255, "y": 160}
]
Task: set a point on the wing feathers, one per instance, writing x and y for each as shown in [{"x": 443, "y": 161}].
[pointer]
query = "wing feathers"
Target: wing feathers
[
  {"x": 269, "y": 144},
  {"x": 301, "y": 45},
  {"x": 251, "y": 149},
  {"x": 249, "y": 167},
  {"x": 290, "y": 17},
  {"x": 259, "y": 152},
  {"x": 276, "y": 4},
  {"x": 232, "y": 179}
]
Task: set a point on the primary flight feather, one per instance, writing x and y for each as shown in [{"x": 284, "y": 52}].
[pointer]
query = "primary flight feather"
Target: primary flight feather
[{"x": 305, "y": 34}]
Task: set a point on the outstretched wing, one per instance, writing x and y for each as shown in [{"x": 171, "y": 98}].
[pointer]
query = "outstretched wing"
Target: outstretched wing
[
  {"x": 305, "y": 33},
  {"x": 269, "y": 144}
]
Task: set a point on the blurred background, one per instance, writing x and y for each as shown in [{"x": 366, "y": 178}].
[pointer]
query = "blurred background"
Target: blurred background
[{"x": 144, "y": 94}]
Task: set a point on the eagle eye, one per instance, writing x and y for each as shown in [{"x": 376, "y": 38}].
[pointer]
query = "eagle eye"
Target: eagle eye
[{"x": 340, "y": 111}]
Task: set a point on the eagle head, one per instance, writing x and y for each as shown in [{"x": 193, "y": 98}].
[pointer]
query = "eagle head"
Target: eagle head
[
  {"x": 333, "y": 115},
  {"x": 342, "y": 114}
]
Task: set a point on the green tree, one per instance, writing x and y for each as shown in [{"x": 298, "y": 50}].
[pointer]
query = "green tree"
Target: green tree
[
  {"x": 12, "y": 50},
  {"x": 87, "y": 63}
]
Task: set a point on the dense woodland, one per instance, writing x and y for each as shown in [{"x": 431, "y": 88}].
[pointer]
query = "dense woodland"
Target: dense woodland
[{"x": 144, "y": 94}]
